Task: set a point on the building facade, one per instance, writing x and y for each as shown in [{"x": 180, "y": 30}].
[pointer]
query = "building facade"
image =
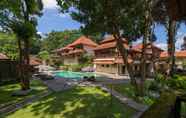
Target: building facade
[
  {"x": 72, "y": 53},
  {"x": 180, "y": 60},
  {"x": 109, "y": 60}
]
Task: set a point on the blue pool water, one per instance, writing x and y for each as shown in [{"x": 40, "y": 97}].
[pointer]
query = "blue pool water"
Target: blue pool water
[{"x": 75, "y": 75}]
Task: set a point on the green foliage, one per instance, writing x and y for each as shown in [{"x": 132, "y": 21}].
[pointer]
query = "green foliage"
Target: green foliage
[
  {"x": 85, "y": 60},
  {"x": 108, "y": 16},
  {"x": 177, "y": 82},
  {"x": 8, "y": 45},
  {"x": 56, "y": 40},
  {"x": 162, "y": 108},
  {"x": 129, "y": 91},
  {"x": 44, "y": 55}
]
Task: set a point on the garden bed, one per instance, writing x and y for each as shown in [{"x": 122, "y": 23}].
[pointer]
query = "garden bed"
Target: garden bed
[{"x": 128, "y": 91}]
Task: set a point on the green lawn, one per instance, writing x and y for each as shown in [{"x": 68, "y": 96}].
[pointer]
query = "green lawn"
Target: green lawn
[
  {"x": 79, "y": 102},
  {"x": 128, "y": 90},
  {"x": 7, "y": 90}
]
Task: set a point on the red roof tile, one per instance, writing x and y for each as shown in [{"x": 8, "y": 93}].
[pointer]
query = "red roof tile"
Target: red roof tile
[
  {"x": 179, "y": 54},
  {"x": 84, "y": 41},
  {"x": 73, "y": 52},
  {"x": 35, "y": 61},
  {"x": 2, "y": 56},
  {"x": 108, "y": 45},
  {"x": 140, "y": 46}
]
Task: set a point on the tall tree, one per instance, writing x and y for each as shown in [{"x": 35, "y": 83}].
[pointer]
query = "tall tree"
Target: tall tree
[
  {"x": 161, "y": 16},
  {"x": 20, "y": 17},
  {"x": 120, "y": 18}
]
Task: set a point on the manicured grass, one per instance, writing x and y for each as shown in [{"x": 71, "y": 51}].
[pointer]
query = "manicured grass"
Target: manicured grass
[
  {"x": 128, "y": 90},
  {"x": 79, "y": 102},
  {"x": 7, "y": 90}
]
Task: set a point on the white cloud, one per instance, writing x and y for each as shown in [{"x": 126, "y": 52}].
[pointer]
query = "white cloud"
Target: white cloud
[
  {"x": 162, "y": 45},
  {"x": 65, "y": 15},
  {"x": 50, "y": 4},
  {"x": 179, "y": 40}
]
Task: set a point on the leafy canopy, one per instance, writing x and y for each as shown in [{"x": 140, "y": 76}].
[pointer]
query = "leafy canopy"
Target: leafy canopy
[{"x": 125, "y": 16}]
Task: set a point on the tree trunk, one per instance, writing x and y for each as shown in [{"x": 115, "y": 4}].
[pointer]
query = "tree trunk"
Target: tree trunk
[
  {"x": 146, "y": 38},
  {"x": 171, "y": 47},
  {"x": 26, "y": 64},
  {"x": 124, "y": 53}
]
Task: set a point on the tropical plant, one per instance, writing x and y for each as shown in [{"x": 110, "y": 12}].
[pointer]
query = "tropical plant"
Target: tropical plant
[
  {"x": 8, "y": 45},
  {"x": 20, "y": 17},
  {"x": 44, "y": 55}
]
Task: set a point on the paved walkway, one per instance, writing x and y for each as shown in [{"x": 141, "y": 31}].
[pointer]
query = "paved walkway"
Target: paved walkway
[
  {"x": 140, "y": 108},
  {"x": 59, "y": 84}
]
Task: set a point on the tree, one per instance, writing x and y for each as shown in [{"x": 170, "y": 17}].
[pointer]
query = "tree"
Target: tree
[
  {"x": 44, "y": 55},
  {"x": 56, "y": 39},
  {"x": 8, "y": 45},
  {"x": 20, "y": 17},
  {"x": 161, "y": 16},
  {"x": 120, "y": 18}
]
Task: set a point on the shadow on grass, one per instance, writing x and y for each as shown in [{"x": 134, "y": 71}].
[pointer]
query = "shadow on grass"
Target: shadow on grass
[{"x": 80, "y": 102}]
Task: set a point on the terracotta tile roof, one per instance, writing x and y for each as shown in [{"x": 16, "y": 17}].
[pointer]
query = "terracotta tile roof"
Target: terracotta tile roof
[
  {"x": 84, "y": 41},
  {"x": 3, "y": 56},
  {"x": 140, "y": 46},
  {"x": 73, "y": 52},
  {"x": 110, "y": 39},
  {"x": 63, "y": 49},
  {"x": 179, "y": 54},
  {"x": 108, "y": 45},
  {"x": 35, "y": 61}
]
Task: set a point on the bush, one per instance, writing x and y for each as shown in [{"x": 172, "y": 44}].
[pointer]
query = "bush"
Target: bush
[
  {"x": 160, "y": 78},
  {"x": 154, "y": 86},
  {"x": 177, "y": 82}
]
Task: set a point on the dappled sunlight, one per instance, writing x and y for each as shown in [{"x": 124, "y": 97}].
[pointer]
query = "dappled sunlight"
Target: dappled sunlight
[{"x": 80, "y": 102}]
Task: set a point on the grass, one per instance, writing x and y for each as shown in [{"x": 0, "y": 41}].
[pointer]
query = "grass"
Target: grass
[
  {"x": 128, "y": 90},
  {"x": 79, "y": 102},
  {"x": 7, "y": 90}
]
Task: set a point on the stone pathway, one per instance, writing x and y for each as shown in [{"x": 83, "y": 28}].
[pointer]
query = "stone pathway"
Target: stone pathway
[
  {"x": 59, "y": 84},
  {"x": 140, "y": 108},
  {"x": 125, "y": 100}
]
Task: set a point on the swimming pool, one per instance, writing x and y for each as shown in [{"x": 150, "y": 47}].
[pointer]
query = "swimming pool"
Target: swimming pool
[{"x": 75, "y": 75}]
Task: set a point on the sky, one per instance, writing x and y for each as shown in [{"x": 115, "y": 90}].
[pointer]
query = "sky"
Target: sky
[{"x": 53, "y": 20}]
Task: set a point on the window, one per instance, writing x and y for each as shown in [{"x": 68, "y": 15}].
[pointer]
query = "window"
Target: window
[
  {"x": 108, "y": 66},
  {"x": 136, "y": 67},
  {"x": 102, "y": 65}
]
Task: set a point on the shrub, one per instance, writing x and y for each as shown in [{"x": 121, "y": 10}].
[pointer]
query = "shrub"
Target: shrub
[
  {"x": 177, "y": 82},
  {"x": 154, "y": 86}
]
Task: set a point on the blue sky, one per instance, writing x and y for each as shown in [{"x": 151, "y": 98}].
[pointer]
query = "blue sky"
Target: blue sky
[{"x": 52, "y": 20}]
